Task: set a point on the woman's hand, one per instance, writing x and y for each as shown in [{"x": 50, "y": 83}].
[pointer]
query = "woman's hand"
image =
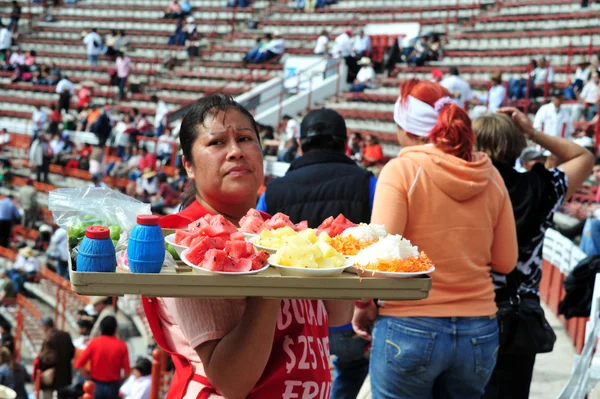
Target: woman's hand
[
  {"x": 363, "y": 319},
  {"x": 520, "y": 120}
]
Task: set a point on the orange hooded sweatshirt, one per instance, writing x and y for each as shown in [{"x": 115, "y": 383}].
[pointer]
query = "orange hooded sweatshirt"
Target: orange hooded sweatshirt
[{"x": 457, "y": 212}]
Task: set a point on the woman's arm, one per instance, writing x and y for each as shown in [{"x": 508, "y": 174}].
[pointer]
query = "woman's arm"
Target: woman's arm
[
  {"x": 234, "y": 364},
  {"x": 577, "y": 161},
  {"x": 504, "y": 247},
  {"x": 339, "y": 313}
]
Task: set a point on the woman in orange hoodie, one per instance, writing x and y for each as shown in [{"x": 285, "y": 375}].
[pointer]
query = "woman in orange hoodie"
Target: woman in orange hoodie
[{"x": 452, "y": 203}]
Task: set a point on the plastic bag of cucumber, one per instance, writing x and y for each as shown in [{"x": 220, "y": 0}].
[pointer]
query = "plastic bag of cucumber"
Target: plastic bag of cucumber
[{"x": 75, "y": 209}]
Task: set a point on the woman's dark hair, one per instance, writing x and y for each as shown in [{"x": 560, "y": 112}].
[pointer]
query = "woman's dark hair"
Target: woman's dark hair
[
  {"x": 143, "y": 365},
  {"x": 195, "y": 118},
  {"x": 108, "y": 326}
]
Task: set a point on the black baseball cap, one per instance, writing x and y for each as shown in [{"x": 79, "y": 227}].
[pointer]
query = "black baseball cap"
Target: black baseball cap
[{"x": 323, "y": 122}]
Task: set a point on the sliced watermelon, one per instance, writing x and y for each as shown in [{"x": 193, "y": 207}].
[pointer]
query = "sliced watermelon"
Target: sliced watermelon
[
  {"x": 278, "y": 221},
  {"x": 222, "y": 225},
  {"x": 252, "y": 223},
  {"x": 201, "y": 245},
  {"x": 188, "y": 240},
  {"x": 238, "y": 265},
  {"x": 303, "y": 225},
  {"x": 180, "y": 235},
  {"x": 325, "y": 225},
  {"x": 239, "y": 249},
  {"x": 198, "y": 224},
  {"x": 216, "y": 260},
  {"x": 237, "y": 236},
  {"x": 259, "y": 260}
]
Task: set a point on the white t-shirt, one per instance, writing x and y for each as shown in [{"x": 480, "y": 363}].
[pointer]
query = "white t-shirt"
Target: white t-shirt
[
  {"x": 589, "y": 93},
  {"x": 121, "y": 138},
  {"x": 93, "y": 41},
  {"x": 361, "y": 44},
  {"x": 65, "y": 84},
  {"x": 342, "y": 46},
  {"x": 366, "y": 75},
  {"x": 137, "y": 388},
  {"x": 28, "y": 265},
  {"x": 459, "y": 88},
  {"x": 292, "y": 130},
  {"x": 540, "y": 75},
  {"x": 321, "y": 46},
  {"x": 582, "y": 74},
  {"x": 552, "y": 121},
  {"x": 57, "y": 145},
  {"x": 161, "y": 111},
  {"x": 276, "y": 46},
  {"x": 163, "y": 144},
  {"x": 39, "y": 118},
  {"x": 5, "y": 39}
]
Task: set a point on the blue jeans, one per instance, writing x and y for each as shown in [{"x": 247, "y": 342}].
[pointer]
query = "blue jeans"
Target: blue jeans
[
  {"x": 93, "y": 59},
  {"x": 358, "y": 88},
  {"x": 122, "y": 82},
  {"x": 300, "y": 3},
  {"x": 351, "y": 363},
  {"x": 107, "y": 390},
  {"x": 427, "y": 357},
  {"x": 62, "y": 268}
]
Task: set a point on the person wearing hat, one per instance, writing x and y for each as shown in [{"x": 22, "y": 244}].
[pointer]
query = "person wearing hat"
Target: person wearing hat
[
  {"x": 437, "y": 75},
  {"x": 365, "y": 77},
  {"x": 139, "y": 384},
  {"x": 54, "y": 360},
  {"x": 25, "y": 268},
  {"x": 324, "y": 182},
  {"x": 103, "y": 308},
  {"x": 27, "y": 197}
]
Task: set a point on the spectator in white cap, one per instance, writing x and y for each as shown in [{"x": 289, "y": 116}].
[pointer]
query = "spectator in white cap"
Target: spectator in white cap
[{"x": 365, "y": 77}]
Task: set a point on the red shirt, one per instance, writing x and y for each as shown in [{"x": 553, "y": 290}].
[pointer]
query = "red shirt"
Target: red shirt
[
  {"x": 299, "y": 363},
  {"x": 148, "y": 161},
  {"x": 109, "y": 356}
]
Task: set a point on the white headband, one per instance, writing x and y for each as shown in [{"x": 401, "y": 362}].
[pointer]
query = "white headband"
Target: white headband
[{"x": 417, "y": 117}]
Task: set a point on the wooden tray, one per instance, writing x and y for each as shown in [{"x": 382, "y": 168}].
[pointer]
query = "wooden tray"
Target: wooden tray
[{"x": 269, "y": 283}]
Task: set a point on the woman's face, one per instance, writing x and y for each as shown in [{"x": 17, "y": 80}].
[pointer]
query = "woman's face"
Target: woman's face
[{"x": 227, "y": 163}]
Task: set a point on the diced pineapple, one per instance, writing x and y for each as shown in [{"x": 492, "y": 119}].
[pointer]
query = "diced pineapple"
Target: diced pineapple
[
  {"x": 308, "y": 234},
  {"x": 325, "y": 237},
  {"x": 328, "y": 250},
  {"x": 326, "y": 263}
]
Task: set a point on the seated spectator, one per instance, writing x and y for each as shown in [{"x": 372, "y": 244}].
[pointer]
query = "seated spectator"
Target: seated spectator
[
  {"x": 129, "y": 163},
  {"x": 5, "y": 174},
  {"x": 192, "y": 42},
  {"x": 553, "y": 119},
  {"x": 147, "y": 162},
  {"x": 186, "y": 8},
  {"x": 588, "y": 98},
  {"x": 365, "y": 77},
  {"x": 143, "y": 126},
  {"x": 167, "y": 144},
  {"x": 16, "y": 59},
  {"x": 165, "y": 197},
  {"x": 173, "y": 10},
  {"x": 122, "y": 41},
  {"x": 493, "y": 100},
  {"x": 147, "y": 185},
  {"x": 372, "y": 154},
  {"x": 355, "y": 147},
  {"x": 582, "y": 75},
  {"x": 322, "y": 43},
  {"x": 267, "y": 136},
  {"x": 85, "y": 325},
  {"x": 122, "y": 130},
  {"x": 139, "y": 384},
  {"x": 12, "y": 374},
  {"x": 273, "y": 47},
  {"x": 436, "y": 51},
  {"x": 25, "y": 268},
  {"x": 23, "y": 71},
  {"x": 420, "y": 52},
  {"x": 84, "y": 96},
  {"x": 541, "y": 75},
  {"x": 110, "y": 40}
]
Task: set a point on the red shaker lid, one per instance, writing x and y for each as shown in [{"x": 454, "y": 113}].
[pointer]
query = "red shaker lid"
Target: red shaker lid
[
  {"x": 97, "y": 232},
  {"x": 147, "y": 220}
]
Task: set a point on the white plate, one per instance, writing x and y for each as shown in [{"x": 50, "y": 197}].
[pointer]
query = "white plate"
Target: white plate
[
  {"x": 170, "y": 239},
  {"x": 200, "y": 270},
  {"x": 266, "y": 249},
  {"x": 375, "y": 273},
  {"x": 250, "y": 236},
  {"x": 303, "y": 272}
]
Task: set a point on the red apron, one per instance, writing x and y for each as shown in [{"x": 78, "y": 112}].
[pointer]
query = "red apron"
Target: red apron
[{"x": 299, "y": 363}]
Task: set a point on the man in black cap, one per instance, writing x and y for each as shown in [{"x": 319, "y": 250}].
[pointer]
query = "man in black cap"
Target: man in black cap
[{"x": 324, "y": 182}]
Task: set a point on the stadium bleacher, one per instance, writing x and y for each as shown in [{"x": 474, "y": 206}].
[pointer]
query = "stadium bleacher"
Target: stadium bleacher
[{"x": 480, "y": 37}]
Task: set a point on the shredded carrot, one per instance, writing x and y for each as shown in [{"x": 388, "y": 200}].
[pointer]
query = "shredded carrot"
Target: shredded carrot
[
  {"x": 349, "y": 245},
  {"x": 414, "y": 264}
]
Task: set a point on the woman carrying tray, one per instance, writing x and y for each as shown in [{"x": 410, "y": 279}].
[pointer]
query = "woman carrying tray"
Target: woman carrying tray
[
  {"x": 235, "y": 348},
  {"x": 452, "y": 204}
]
